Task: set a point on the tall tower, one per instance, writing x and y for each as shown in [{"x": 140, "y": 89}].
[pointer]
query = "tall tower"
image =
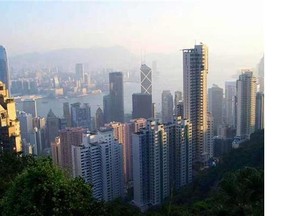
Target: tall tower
[
  {"x": 116, "y": 96},
  {"x": 215, "y": 106},
  {"x": 167, "y": 106},
  {"x": 177, "y": 99},
  {"x": 246, "y": 104},
  {"x": 4, "y": 75},
  {"x": 259, "y": 111},
  {"x": 66, "y": 113},
  {"x": 10, "y": 137},
  {"x": 195, "y": 71},
  {"x": 230, "y": 112},
  {"x": 146, "y": 79},
  {"x": 79, "y": 70},
  {"x": 261, "y": 74},
  {"x": 81, "y": 115},
  {"x": 52, "y": 127}
]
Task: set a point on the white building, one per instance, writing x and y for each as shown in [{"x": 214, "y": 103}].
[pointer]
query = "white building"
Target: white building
[
  {"x": 99, "y": 161},
  {"x": 150, "y": 165}
]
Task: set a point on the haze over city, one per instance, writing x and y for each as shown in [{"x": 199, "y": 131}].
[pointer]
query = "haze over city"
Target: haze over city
[{"x": 148, "y": 30}]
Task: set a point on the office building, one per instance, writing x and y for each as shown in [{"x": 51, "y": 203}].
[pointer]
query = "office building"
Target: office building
[
  {"x": 230, "y": 103},
  {"x": 66, "y": 114},
  {"x": 81, "y": 115},
  {"x": 52, "y": 128},
  {"x": 246, "y": 104},
  {"x": 114, "y": 103},
  {"x": 167, "y": 106},
  {"x": 99, "y": 120},
  {"x": 79, "y": 71},
  {"x": 259, "y": 111},
  {"x": 4, "y": 75},
  {"x": 146, "y": 79},
  {"x": 195, "y": 71},
  {"x": 26, "y": 124},
  {"x": 29, "y": 106},
  {"x": 210, "y": 135},
  {"x": 150, "y": 165},
  {"x": 141, "y": 106},
  {"x": 180, "y": 109},
  {"x": 177, "y": 98},
  {"x": 215, "y": 106},
  {"x": 10, "y": 136},
  {"x": 98, "y": 160}
]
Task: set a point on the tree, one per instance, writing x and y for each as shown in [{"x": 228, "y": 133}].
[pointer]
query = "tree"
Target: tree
[{"x": 43, "y": 189}]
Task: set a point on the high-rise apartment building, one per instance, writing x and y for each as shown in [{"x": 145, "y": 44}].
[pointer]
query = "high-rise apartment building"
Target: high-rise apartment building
[
  {"x": 146, "y": 79},
  {"x": 215, "y": 106},
  {"x": 142, "y": 106},
  {"x": 210, "y": 135},
  {"x": 230, "y": 102},
  {"x": 259, "y": 111},
  {"x": 115, "y": 101},
  {"x": 195, "y": 71},
  {"x": 63, "y": 144},
  {"x": 246, "y": 104},
  {"x": 81, "y": 115},
  {"x": 167, "y": 106},
  {"x": 179, "y": 137},
  {"x": 29, "y": 106},
  {"x": 150, "y": 165},
  {"x": 4, "y": 75},
  {"x": 99, "y": 161},
  {"x": 10, "y": 136}
]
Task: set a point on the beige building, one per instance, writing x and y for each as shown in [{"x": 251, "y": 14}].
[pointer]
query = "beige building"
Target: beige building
[
  {"x": 246, "y": 104},
  {"x": 61, "y": 147},
  {"x": 10, "y": 137},
  {"x": 195, "y": 71}
]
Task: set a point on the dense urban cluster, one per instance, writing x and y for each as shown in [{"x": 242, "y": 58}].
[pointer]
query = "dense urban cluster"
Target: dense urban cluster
[{"x": 150, "y": 154}]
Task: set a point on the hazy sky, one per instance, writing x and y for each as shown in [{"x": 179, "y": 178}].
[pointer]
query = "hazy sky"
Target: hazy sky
[{"x": 227, "y": 27}]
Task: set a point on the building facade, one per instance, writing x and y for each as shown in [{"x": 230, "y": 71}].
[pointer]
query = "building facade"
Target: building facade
[
  {"x": 142, "y": 106},
  {"x": 4, "y": 75},
  {"x": 146, "y": 79},
  {"x": 195, "y": 72},
  {"x": 167, "y": 106}
]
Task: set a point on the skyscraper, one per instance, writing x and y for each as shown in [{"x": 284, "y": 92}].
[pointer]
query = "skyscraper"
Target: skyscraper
[
  {"x": 261, "y": 74},
  {"x": 150, "y": 165},
  {"x": 246, "y": 104},
  {"x": 180, "y": 109},
  {"x": 10, "y": 137},
  {"x": 177, "y": 99},
  {"x": 142, "y": 106},
  {"x": 81, "y": 115},
  {"x": 52, "y": 128},
  {"x": 259, "y": 111},
  {"x": 167, "y": 106},
  {"x": 26, "y": 124},
  {"x": 66, "y": 113},
  {"x": 195, "y": 71},
  {"x": 79, "y": 70},
  {"x": 230, "y": 111},
  {"x": 99, "y": 118},
  {"x": 146, "y": 79},
  {"x": 179, "y": 138},
  {"x": 67, "y": 138},
  {"x": 4, "y": 75},
  {"x": 29, "y": 106},
  {"x": 210, "y": 135},
  {"x": 98, "y": 160},
  {"x": 116, "y": 96},
  {"x": 215, "y": 106}
]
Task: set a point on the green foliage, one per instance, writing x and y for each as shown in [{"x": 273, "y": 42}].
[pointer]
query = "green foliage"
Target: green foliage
[
  {"x": 118, "y": 208},
  {"x": 11, "y": 165},
  {"x": 43, "y": 189}
]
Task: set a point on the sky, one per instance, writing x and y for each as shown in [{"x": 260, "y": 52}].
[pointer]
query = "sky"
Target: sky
[{"x": 227, "y": 27}]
